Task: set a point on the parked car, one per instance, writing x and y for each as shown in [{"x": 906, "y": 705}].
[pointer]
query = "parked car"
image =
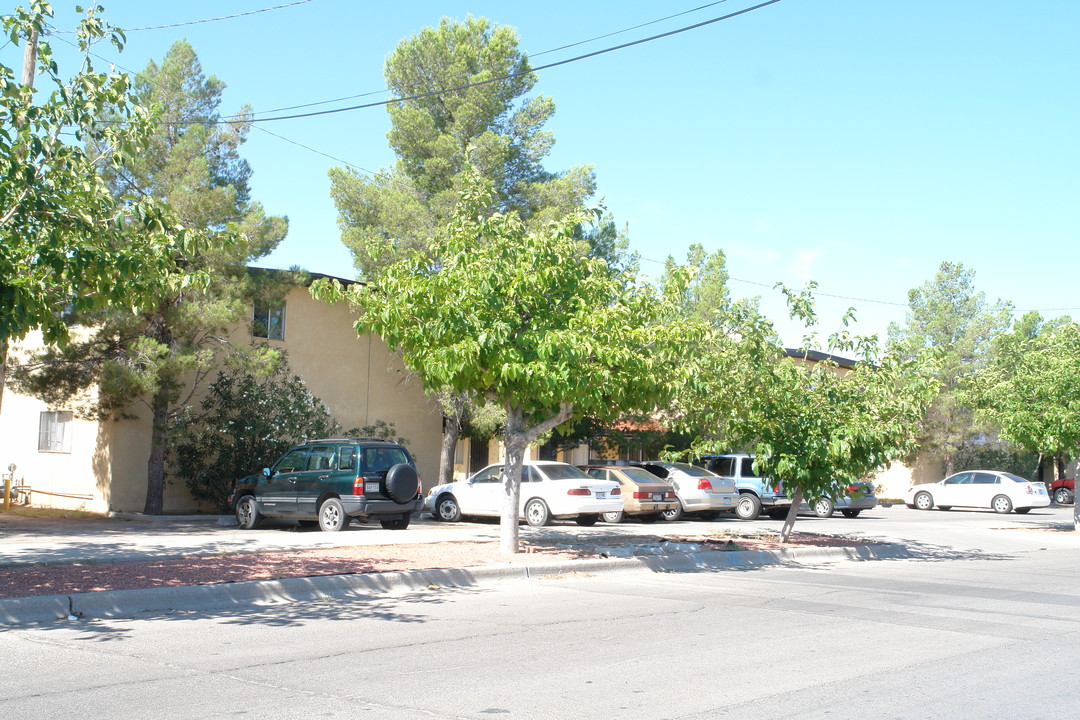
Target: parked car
[
  {"x": 756, "y": 494},
  {"x": 856, "y": 498},
  {"x": 328, "y": 482},
  {"x": 1063, "y": 491},
  {"x": 697, "y": 490},
  {"x": 643, "y": 494},
  {"x": 1001, "y": 491},
  {"x": 548, "y": 490}
]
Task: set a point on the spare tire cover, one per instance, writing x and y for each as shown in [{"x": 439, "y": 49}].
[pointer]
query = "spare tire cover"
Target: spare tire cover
[{"x": 401, "y": 483}]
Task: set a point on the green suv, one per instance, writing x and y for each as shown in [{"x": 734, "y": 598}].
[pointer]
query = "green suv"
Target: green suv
[{"x": 331, "y": 481}]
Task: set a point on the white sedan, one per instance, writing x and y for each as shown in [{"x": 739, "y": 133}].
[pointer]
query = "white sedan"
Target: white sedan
[
  {"x": 548, "y": 490},
  {"x": 1001, "y": 491}
]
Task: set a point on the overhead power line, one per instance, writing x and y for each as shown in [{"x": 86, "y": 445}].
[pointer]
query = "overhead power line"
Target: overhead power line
[{"x": 508, "y": 76}]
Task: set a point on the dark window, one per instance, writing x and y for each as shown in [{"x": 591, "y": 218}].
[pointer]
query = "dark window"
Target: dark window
[
  {"x": 268, "y": 320},
  {"x": 347, "y": 458},
  {"x": 723, "y": 466},
  {"x": 986, "y": 479},
  {"x": 380, "y": 459},
  {"x": 294, "y": 461},
  {"x": 322, "y": 457}
]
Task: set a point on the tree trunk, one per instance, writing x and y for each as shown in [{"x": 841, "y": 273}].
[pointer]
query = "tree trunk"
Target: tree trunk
[
  {"x": 516, "y": 438},
  {"x": 3, "y": 368},
  {"x": 793, "y": 511},
  {"x": 950, "y": 464},
  {"x": 451, "y": 433},
  {"x": 155, "y": 466}
]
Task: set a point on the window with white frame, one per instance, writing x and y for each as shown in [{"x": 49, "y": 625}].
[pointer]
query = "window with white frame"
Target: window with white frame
[
  {"x": 54, "y": 431},
  {"x": 268, "y": 320}
]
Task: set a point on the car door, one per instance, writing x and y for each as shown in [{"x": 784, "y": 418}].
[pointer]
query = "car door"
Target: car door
[
  {"x": 315, "y": 480},
  {"x": 984, "y": 486},
  {"x": 278, "y": 495},
  {"x": 955, "y": 490},
  {"x": 481, "y": 493}
]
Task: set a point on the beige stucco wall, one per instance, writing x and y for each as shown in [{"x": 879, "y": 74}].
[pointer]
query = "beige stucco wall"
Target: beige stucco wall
[{"x": 358, "y": 379}]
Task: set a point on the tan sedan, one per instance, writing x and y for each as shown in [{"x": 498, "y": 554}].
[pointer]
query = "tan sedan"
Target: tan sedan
[{"x": 644, "y": 496}]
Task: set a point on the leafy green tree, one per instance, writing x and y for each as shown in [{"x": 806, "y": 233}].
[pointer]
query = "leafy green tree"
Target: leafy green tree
[
  {"x": 246, "y": 421},
  {"x": 159, "y": 355},
  {"x": 494, "y": 125},
  {"x": 523, "y": 320},
  {"x": 813, "y": 425},
  {"x": 1031, "y": 388},
  {"x": 949, "y": 315},
  {"x": 68, "y": 242}
]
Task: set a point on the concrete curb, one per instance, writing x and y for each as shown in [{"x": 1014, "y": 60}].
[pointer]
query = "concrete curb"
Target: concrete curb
[{"x": 225, "y": 596}]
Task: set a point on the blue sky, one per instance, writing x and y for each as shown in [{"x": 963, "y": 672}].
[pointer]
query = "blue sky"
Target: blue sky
[{"x": 858, "y": 144}]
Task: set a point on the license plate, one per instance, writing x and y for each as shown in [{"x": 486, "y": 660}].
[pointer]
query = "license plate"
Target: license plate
[
  {"x": 371, "y": 487},
  {"x": 600, "y": 494},
  {"x": 727, "y": 501},
  {"x": 657, "y": 497}
]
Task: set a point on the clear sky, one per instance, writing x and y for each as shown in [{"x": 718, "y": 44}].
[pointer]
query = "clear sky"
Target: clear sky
[{"x": 857, "y": 143}]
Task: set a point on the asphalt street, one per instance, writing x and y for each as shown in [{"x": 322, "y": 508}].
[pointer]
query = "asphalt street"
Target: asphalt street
[{"x": 981, "y": 622}]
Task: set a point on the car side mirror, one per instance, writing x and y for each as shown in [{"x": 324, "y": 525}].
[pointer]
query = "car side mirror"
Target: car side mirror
[{"x": 266, "y": 472}]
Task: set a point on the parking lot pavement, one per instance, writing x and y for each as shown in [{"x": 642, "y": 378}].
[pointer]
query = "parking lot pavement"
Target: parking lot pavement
[{"x": 23, "y": 541}]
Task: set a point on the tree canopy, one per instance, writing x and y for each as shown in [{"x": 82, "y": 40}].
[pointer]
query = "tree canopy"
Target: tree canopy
[{"x": 521, "y": 318}]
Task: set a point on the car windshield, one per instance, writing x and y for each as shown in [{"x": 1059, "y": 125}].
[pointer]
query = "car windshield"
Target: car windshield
[
  {"x": 692, "y": 470},
  {"x": 638, "y": 475},
  {"x": 562, "y": 472}
]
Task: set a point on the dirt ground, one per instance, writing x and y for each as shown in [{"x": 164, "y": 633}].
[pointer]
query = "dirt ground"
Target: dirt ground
[{"x": 62, "y": 579}]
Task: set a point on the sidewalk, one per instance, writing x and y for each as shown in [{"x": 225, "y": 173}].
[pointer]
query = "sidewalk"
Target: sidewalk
[{"x": 620, "y": 548}]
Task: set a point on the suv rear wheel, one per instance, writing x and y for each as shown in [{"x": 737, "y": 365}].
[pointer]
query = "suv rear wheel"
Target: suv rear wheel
[
  {"x": 749, "y": 507},
  {"x": 332, "y": 517}
]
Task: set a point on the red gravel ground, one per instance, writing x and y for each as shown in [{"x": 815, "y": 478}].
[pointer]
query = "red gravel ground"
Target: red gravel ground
[{"x": 26, "y": 581}]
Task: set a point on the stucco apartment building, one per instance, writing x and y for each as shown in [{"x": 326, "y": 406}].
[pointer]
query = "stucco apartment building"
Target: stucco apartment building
[{"x": 71, "y": 462}]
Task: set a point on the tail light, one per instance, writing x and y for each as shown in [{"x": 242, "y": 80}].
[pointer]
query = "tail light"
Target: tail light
[
  {"x": 852, "y": 489},
  {"x": 419, "y": 486},
  {"x": 642, "y": 496},
  {"x": 579, "y": 491},
  {"x": 358, "y": 486},
  {"x": 669, "y": 495},
  {"x": 1030, "y": 489},
  {"x": 776, "y": 488},
  {"x": 616, "y": 491},
  {"x": 704, "y": 484}
]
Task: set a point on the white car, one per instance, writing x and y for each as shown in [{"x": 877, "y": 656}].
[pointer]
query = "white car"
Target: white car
[
  {"x": 1000, "y": 491},
  {"x": 548, "y": 490}
]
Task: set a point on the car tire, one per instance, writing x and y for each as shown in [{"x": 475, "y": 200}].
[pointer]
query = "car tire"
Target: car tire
[
  {"x": 924, "y": 500},
  {"x": 1062, "y": 496},
  {"x": 1023, "y": 511},
  {"x": 447, "y": 509},
  {"x": 823, "y": 507},
  {"x": 1001, "y": 504},
  {"x": 400, "y": 483},
  {"x": 674, "y": 514},
  {"x": 537, "y": 513},
  {"x": 247, "y": 512},
  {"x": 614, "y": 517},
  {"x": 332, "y": 517},
  {"x": 748, "y": 507},
  {"x": 850, "y": 513},
  {"x": 587, "y": 520},
  {"x": 396, "y": 524}
]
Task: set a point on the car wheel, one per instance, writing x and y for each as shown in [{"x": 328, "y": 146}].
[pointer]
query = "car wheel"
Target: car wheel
[
  {"x": 674, "y": 514},
  {"x": 401, "y": 484},
  {"x": 1001, "y": 504},
  {"x": 1062, "y": 496},
  {"x": 614, "y": 517},
  {"x": 447, "y": 509},
  {"x": 332, "y": 517},
  {"x": 850, "y": 513},
  {"x": 247, "y": 512},
  {"x": 924, "y": 501},
  {"x": 397, "y": 524},
  {"x": 1023, "y": 511},
  {"x": 537, "y": 513},
  {"x": 749, "y": 507},
  {"x": 587, "y": 520},
  {"x": 823, "y": 507}
]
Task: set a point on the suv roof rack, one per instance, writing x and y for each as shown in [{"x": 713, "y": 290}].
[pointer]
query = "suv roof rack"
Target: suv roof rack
[{"x": 350, "y": 439}]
